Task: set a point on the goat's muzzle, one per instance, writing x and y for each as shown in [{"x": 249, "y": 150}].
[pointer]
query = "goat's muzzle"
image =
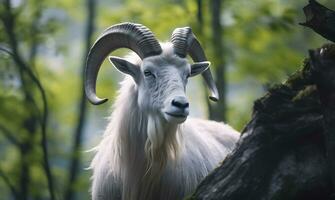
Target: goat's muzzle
[{"x": 178, "y": 110}]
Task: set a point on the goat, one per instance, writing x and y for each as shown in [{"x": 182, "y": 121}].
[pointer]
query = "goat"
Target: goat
[{"x": 150, "y": 150}]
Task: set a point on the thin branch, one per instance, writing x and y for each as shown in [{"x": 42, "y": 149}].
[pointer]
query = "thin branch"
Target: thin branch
[
  {"x": 9, "y": 184},
  {"x": 8, "y": 20},
  {"x": 9, "y": 135},
  {"x": 5, "y": 49}
]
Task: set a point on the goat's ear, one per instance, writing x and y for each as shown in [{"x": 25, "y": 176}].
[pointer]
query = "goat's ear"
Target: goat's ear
[
  {"x": 125, "y": 67},
  {"x": 199, "y": 67}
]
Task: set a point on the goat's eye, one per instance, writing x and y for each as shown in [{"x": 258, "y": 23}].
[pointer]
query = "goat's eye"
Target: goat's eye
[{"x": 148, "y": 73}]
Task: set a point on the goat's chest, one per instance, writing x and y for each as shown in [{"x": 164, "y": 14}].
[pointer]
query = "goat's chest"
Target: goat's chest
[{"x": 175, "y": 182}]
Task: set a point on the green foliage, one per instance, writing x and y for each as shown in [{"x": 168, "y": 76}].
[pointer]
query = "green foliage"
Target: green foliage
[{"x": 262, "y": 45}]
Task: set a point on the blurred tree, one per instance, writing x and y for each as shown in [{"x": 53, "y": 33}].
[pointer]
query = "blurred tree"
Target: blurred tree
[
  {"x": 29, "y": 83},
  {"x": 78, "y": 135},
  {"x": 217, "y": 110}
]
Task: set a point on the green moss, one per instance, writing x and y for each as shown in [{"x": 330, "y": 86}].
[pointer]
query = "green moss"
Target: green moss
[
  {"x": 301, "y": 77},
  {"x": 189, "y": 197},
  {"x": 307, "y": 91}
]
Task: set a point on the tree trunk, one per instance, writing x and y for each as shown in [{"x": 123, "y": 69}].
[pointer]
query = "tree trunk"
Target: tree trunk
[
  {"x": 29, "y": 81},
  {"x": 77, "y": 141},
  {"x": 217, "y": 110},
  {"x": 287, "y": 150}
]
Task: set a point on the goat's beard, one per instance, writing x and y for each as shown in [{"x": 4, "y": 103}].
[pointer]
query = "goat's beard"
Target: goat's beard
[{"x": 163, "y": 143}]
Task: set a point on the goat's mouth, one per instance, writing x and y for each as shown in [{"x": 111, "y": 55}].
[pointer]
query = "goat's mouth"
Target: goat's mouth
[{"x": 175, "y": 117}]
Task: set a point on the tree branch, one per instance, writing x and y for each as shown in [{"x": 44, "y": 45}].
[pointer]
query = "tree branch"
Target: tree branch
[
  {"x": 321, "y": 19},
  {"x": 10, "y": 186},
  {"x": 9, "y": 23},
  {"x": 9, "y": 135}
]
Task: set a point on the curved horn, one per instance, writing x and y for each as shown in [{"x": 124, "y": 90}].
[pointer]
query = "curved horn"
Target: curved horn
[
  {"x": 184, "y": 41},
  {"x": 125, "y": 35}
]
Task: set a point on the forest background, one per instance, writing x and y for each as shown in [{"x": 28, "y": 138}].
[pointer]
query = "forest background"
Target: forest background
[{"x": 46, "y": 124}]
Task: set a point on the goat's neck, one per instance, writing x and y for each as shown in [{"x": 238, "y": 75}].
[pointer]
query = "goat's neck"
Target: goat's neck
[
  {"x": 144, "y": 144},
  {"x": 144, "y": 136}
]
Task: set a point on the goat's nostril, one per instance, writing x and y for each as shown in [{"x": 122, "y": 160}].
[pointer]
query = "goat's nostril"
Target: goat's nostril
[{"x": 180, "y": 102}]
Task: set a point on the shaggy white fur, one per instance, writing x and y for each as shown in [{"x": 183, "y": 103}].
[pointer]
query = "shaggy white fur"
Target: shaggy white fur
[{"x": 142, "y": 158}]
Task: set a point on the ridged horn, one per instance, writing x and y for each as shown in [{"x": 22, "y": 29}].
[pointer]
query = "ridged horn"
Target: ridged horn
[
  {"x": 184, "y": 42},
  {"x": 125, "y": 35}
]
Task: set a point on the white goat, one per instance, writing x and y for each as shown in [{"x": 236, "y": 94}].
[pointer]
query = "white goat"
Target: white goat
[{"x": 149, "y": 149}]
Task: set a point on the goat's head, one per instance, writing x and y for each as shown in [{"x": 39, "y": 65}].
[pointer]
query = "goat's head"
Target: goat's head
[{"x": 161, "y": 77}]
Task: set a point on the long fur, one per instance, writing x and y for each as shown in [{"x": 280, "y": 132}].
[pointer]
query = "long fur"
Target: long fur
[{"x": 142, "y": 158}]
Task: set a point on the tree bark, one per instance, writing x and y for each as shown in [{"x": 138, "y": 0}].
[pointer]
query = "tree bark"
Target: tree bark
[
  {"x": 320, "y": 19},
  {"x": 323, "y": 65},
  {"x": 281, "y": 153},
  {"x": 287, "y": 150}
]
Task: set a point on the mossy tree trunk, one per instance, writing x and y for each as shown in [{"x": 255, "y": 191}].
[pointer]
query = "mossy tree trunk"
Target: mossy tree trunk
[{"x": 287, "y": 150}]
